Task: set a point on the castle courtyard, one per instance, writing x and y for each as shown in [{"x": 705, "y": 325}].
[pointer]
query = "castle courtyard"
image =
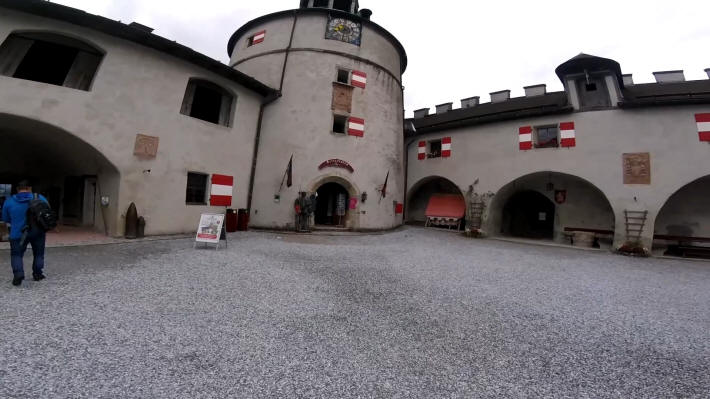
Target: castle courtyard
[{"x": 411, "y": 313}]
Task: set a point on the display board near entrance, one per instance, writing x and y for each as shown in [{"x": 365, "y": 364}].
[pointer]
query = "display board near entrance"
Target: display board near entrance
[
  {"x": 336, "y": 163},
  {"x": 210, "y": 228}
]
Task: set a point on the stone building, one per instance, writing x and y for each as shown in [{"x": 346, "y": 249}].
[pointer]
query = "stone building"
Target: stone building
[
  {"x": 619, "y": 160},
  {"x": 102, "y": 114}
]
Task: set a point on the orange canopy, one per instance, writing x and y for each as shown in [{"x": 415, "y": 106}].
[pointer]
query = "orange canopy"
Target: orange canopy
[{"x": 446, "y": 206}]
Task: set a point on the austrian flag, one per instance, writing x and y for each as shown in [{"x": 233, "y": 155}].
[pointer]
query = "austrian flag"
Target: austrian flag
[
  {"x": 703, "y": 121},
  {"x": 258, "y": 37},
  {"x": 221, "y": 190},
  {"x": 356, "y": 127},
  {"x": 359, "y": 79}
]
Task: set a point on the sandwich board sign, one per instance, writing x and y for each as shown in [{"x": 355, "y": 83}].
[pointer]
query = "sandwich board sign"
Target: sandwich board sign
[{"x": 211, "y": 229}]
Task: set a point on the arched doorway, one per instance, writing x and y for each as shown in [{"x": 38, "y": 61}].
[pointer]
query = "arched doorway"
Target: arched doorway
[
  {"x": 421, "y": 194},
  {"x": 331, "y": 205},
  {"x": 72, "y": 174},
  {"x": 684, "y": 220},
  {"x": 529, "y": 214},
  {"x": 551, "y": 205}
]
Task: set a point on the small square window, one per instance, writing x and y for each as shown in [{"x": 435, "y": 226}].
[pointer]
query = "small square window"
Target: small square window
[
  {"x": 196, "y": 192},
  {"x": 339, "y": 123},
  {"x": 547, "y": 137},
  {"x": 590, "y": 87},
  {"x": 434, "y": 149},
  {"x": 344, "y": 76}
]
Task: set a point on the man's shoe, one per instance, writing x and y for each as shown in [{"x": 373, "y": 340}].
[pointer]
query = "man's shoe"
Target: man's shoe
[
  {"x": 38, "y": 276},
  {"x": 17, "y": 281}
]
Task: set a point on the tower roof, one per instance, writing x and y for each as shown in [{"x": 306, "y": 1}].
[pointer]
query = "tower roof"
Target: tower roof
[{"x": 589, "y": 63}]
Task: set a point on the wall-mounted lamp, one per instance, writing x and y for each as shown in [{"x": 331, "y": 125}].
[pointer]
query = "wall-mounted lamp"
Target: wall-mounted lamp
[{"x": 363, "y": 197}]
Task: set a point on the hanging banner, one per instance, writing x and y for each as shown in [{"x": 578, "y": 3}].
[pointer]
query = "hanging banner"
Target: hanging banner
[{"x": 210, "y": 228}]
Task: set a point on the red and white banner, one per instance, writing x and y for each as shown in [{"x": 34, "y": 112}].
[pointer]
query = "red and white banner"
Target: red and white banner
[
  {"x": 258, "y": 37},
  {"x": 525, "y": 137},
  {"x": 703, "y": 121},
  {"x": 567, "y": 135},
  {"x": 446, "y": 147},
  {"x": 356, "y": 127},
  {"x": 421, "y": 155},
  {"x": 221, "y": 190},
  {"x": 359, "y": 79}
]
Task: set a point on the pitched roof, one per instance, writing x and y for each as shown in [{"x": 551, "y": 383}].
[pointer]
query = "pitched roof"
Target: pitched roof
[{"x": 137, "y": 35}]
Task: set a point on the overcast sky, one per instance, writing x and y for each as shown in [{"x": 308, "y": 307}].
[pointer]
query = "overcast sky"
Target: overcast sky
[{"x": 464, "y": 48}]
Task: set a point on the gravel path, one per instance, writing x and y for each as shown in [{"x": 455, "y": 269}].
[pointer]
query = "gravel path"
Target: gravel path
[{"x": 411, "y": 314}]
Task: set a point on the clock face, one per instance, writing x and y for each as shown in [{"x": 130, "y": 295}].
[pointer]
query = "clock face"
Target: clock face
[{"x": 344, "y": 30}]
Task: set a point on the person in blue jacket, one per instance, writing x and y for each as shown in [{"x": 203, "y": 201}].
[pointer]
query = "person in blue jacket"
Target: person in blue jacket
[{"x": 14, "y": 212}]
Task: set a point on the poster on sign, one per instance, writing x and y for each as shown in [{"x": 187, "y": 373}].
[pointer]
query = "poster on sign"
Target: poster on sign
[{"x": 210, "y": 228}]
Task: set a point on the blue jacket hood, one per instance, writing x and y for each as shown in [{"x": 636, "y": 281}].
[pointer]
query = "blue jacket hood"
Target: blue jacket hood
[{"x": 23, "y": 197}]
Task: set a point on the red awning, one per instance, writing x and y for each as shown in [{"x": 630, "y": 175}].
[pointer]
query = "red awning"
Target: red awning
[{"x": 446, "y": 206}]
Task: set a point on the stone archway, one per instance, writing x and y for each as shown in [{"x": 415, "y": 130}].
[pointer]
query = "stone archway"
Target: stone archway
[
  {"x": 684, "y": 214},
  {"x": 421, "y": 192},
  {"x": 70, "y": 172},
  {"x": 577, "y": 206},
  {"x": 351, "y": 219}
]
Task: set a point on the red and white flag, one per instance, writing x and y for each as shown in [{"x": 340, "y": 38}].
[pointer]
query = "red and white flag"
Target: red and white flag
[
  {"x": 258, "y": 37},
  {"x": 446, "y": 147},
  {"x": 359, "y": 79},
  {"x": 356, "y": 127},
  {"x": 421, "y": 155},
  {"x": 703, "y": 121},
  {"x": 525, "y": 137},
  {"x": 221, "y": 190},
  {"x": 567, "y": 135}
]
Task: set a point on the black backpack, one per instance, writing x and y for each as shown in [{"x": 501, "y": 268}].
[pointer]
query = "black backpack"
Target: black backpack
[{"x": 40, "y": 214}]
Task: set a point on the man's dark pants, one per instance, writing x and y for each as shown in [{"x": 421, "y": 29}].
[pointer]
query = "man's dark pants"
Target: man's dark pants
[{"x": 17, "y": 252}]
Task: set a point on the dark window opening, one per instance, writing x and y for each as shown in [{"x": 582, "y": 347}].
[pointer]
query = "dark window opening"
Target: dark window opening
[
  {"x": 320, "y": 3},
  {"x": 342, "y": 5},
  {"x": 208, "y": 102},
  {"x": 50, "y": 59},
  {"x": 434, "y": 149},
  {"x": 339, "y": 123},
  {"x": 46, "y": 63},
  {"x": 250, "y": 42},
  {"x": 343, "y": 76},
  {"x": 547, "y": 137},
  {"x": 591, "y": 87},
  {"x": 593, "y": 92},
  {"x": 196, "y": 192}
]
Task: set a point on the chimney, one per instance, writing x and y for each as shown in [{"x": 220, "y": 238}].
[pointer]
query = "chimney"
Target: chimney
[
  {"x": 142, "y": 27},
  {"x": 536, "y": 90},
  {"x": 628, "y": 79},
  {"x": 500, "y": 96},
  {"x": 443, "y": 108},
  {"x": 669, "y": 76},
  {"x": 366, "y": 13},
  {"x": 420, "y": 113},
  {"x": 470, "y": 102},
  {"x": 708, "y": 72}
]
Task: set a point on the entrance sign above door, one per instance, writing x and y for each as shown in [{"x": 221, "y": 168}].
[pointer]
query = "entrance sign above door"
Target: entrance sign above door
[{"x": 336, "y": 163}]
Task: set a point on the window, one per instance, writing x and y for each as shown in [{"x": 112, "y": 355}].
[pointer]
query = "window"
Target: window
[
  {"x": 343, "y": 5},
  {"x": 339, "y": 123},
  {"x": 320, "y": 3},
  {"x": 256, "y": 38},
  {"x": 593, "y": 92},
  {"x": 196, "y": 193},
  {"x": 546, "y": 137},
  {"x": 51, "y": 59},
  {"x": 208, "y": 102},
  {"x": 343, "y": 76},
  {"x": 434, "y": 149}
]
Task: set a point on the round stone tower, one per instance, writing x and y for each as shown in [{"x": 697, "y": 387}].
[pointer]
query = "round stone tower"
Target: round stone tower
[{"x": 340, "y": 115}]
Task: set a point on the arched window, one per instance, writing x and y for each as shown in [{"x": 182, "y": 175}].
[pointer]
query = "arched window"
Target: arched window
[
  {"x": 50, "y": 58},
  {"x": 207, "y": 101}
]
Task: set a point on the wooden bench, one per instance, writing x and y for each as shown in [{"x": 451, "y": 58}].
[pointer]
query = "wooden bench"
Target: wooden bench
[
  {"x": 569, "y": 233},
  {"x": 684, "y": 247}
]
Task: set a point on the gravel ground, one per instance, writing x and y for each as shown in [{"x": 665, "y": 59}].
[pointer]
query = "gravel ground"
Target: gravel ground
[{"x": 411, "y": 314}]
